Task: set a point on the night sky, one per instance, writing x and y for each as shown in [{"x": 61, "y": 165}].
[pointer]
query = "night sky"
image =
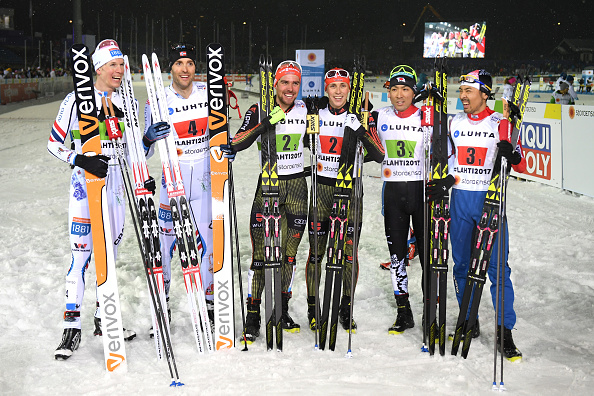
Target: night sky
[{"x": 515, "y": 29}]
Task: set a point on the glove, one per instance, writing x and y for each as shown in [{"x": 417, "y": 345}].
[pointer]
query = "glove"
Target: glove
[
  {"x": 438, "y": 188},
  {"x": 505, "y": 149},
  {"x": 323, "y": 102},
  {"x": 353, "y": 122},
  {"x": 276, "y": 115},
  {"x": 96, "y": 164},
  {"x": 228, "y": 151},
  {"x": 157, "y": 131},
  {"x": 150, "y": 185},
  {"x": 312, "y": 104},
  {"x": 422, "y": 95}
]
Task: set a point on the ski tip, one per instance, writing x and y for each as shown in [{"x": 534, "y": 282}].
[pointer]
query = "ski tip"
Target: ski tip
[
  {"x": 349, "y": 354},
  {"x": 176, "y": 384},
  {"x": 424, "y": 348}
]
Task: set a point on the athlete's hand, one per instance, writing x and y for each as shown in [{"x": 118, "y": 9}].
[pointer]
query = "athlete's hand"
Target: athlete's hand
[
  {"x": 353, "y": 122},
  {"x": 505, "y": 149},
  {"x": 157, "y": 131},
  {"x": 276, "y": 115},
  {"x": 150, "y": 185},
  {"x": 96, "y": 164},
  {"x": 228, "y": 151},
  {"x": 438, "y": 188},
  {"x": 311, "y": 103}
]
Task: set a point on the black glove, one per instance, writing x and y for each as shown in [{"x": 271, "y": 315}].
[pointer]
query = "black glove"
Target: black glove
[
  {"x": 438, "y": 188},
  {"x": 228, "y": 151},
  {"x": 323, "y": 102},
  {"x": 150, "y": 185},
  {"x": 311, "y": 103},
  {"x": 422, "y": 94},
  {"x": 505, "y": 149},
  {"x": 96, "y": 164}
]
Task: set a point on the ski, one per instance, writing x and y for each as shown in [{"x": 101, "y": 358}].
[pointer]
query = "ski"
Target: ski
[
  {"x": 271, "y": 218},
  {"x": 180, "y": 210},
  {"x": 483, "y": 241},
  {"x": 146, "y": 220},
  {"x": 107, "y": 287},
  {"x": 221, "y": 218},
  {"x": 339, "y": 219},
  {"x": 313, "y": 131},
  {"x": 439, "y": 218}
]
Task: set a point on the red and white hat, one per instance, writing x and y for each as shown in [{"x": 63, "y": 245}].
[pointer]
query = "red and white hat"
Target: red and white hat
[
  {"x": 106, "y": 51},
  {"x": 287, "y": 67}
]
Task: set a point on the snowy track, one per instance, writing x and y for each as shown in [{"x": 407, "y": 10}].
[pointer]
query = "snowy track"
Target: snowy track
[{"x": 552, "y": 269}]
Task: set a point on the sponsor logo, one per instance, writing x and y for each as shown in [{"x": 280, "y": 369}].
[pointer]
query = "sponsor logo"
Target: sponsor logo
[
  {"x": 116, "y": 53},
  {"x": 114, "y": 361},
  {"x": 223, "y": 304},
  {"x": 112, "y": 326},
  {"x": 80, "y": 245},
  {"x": 536, "y": 147},
  {"x": 80, "y": 227},
  {"x": 224, "y": 343}
]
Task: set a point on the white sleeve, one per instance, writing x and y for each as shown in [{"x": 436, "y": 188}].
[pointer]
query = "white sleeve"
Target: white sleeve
[{"x": 62, "y": 126}]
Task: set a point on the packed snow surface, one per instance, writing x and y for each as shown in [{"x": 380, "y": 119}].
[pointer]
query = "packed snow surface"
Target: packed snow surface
[{"x": 552, "y": 271}]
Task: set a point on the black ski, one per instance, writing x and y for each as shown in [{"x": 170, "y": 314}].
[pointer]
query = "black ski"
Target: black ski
[
  {"x": 271, "y": 218},
  {"x": 339, "y": 218},
  {"x": 440, "y": 218},
  {"x": 483, "y": 241}
]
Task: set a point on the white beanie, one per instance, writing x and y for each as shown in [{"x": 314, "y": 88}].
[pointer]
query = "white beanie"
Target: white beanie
[{"x": 106, "y": 51}]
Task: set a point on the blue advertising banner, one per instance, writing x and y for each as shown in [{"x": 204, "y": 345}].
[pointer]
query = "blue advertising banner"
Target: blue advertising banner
[{"x": 312, "y": 77}]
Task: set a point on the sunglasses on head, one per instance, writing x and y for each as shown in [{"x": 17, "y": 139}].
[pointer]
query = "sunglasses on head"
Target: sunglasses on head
[
  {"x": 403, "y": 70},
  {"x": 288, "y": 63},
  {"x": 472, "y": 79},
  {"x": 334, "y": 73}
]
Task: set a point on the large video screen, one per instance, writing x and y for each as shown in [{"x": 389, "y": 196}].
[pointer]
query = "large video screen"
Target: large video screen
[{"x": 454, "y": 40}]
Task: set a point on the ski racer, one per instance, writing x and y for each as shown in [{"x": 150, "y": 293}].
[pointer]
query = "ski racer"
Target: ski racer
[
  {"x": 288, "y": 120},
  {"x": 333, "y": 120},
  {"x": 187, "y": 102},
  {"x": 477, "y": 148},
  {"x": 108, "y": 63},
  {"x": 403, "y": 135}
]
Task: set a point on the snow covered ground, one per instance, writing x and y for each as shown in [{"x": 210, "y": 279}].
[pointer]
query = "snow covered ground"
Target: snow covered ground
[{"x": 553, "y": 273}]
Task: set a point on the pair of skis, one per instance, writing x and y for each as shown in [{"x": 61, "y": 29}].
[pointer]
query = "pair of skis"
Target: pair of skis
[
  {"x": 342, "y": 199},
  {"x": 144, "y": 216},
  {"x": 271, "y": 217},
  {"x": 180, "y": 209},
  {"x": 439, "y": 220},
  {"x": 487, "y": 229}
]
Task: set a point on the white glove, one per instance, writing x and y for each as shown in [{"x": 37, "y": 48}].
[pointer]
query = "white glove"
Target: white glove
[{"x": 352, "y": 122}]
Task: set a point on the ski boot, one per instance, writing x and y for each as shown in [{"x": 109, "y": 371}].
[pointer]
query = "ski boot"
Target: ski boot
[
  {"x": 404, "y": 318},
  {"x": 69, "y": 344},
  {"x": 311, "y": 313},
  {"x": 287, "y": 323},
  {"x": 128, "y": 334},
  {"x": 510, "y": 351},
  {"x": 252, "y": 321},
  {"x": 344, "y": 314}
]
